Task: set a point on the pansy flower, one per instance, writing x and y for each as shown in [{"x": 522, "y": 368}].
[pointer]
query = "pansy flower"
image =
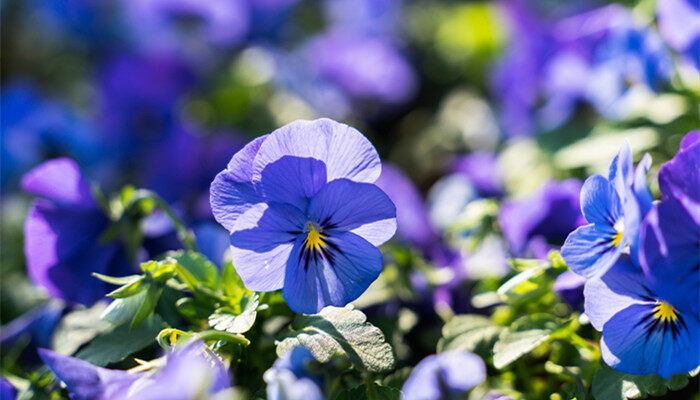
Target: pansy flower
[
  {"x": 649, "y": 316},
  {"x": 62, "y": 234},
  {"x": 613, "y": 208},
  {"x": 304, "y": 215},
  {"x": 444, "y": 376},
  {"x": 289, "y": 379},
  {"x": 189, "y": 371},
  {"x": 679, "y": 25}
]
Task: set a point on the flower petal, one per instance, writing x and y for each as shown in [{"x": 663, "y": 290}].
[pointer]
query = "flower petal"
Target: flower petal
[
  {"x": 629, "y": 344},
  {"x": 261, "y": 241},
  {"x": 232, "y": 192},
  {"x": 620, "y": 287},
  {"x": 589, "y": 250},
  {"x": 292, "y": 180},
  {"x": 600, "y": 202},
  {"x": 620, "y": 172},
  {"x": 59, "y": 180},
  {"x": 313, "y": 283},
  {"x": 344, "y": 150},
  {"x": 445, "y": 375},
  {"x": 361, "y": 208}
]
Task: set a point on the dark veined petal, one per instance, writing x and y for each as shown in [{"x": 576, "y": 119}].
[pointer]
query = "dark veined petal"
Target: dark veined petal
[
  {"x": 86, "y": 381},
  {"x": 292, "y": 180},
  {"x": 444, "y": 375},
  {"x": 668, "y": 254},
  {"x": 344, "y": 150},
  {"x": 636, "y": 342},
  {"x": 622, "y": 286},
  {"x": 261, "y": 242},
  {"x": 361, "y": 208},
  {"x": 232, "y": 192},
  {"x": 600, "y": 202},
  {"x": 590, "y": 250},
  {"x": 59, "y": 180},
  {"x": 335, "y": 276}
]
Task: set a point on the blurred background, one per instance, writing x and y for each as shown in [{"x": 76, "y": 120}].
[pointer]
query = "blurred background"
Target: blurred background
[{"x": 480, "y": 109}]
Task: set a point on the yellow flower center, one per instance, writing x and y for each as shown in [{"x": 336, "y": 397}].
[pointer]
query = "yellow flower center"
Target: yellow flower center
[
  {"x": 314, "y": 239},
  {"x": 665, "y": 312},
  {"x": 619, "y": 227}
]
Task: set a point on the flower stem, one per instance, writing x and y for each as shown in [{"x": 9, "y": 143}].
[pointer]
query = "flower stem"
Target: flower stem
[
  {"x": 184, "y": 234},
  {"x": 371, "y": 389}
]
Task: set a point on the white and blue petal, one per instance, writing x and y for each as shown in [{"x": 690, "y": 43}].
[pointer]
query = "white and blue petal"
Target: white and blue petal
[
  {"x": 446, "y": 375},
  {"x": 344, "y": 150},
  {"x": 361, "y": 208},
  {"x": 261, "y": 242},
  {"x": 591, "y": 250},
  {"x": 600, "y": 202}
]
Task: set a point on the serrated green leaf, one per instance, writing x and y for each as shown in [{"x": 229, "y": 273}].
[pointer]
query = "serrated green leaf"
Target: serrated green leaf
[
  {"x": 523, "y": 336},
  {"x": 360, "y": 393},
  {"x": 609, "y": 384},
  {"x": 470, "y": 333},
  {"x": 226, "y": 320},
  {"x": 119, "y": 343},
  {"x": 195, "y": 269},
  {"x": 341, "y": 332}
]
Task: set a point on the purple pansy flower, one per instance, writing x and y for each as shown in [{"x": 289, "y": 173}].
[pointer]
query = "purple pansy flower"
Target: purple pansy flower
[
  {"x": 679, "y": 24},
  {"x": 570, "y": 287},
  {"x": 186, "y": 26},
  {"x": 7, "y": 391},
  {"x": 444, "y": 376},
  {"x": 481, "y": 167},
  {"x": 36, "y": 325},
  {"x": 648, "y": 311},
  {"x": 304, "y": 215},
  {"x": 288, "y": 379},
  {"x": 547, "y": 216},
  {"x": 614, "y": 208},
  {"x": 62, "y": 234},
  {"x": 190, "y": 370}
]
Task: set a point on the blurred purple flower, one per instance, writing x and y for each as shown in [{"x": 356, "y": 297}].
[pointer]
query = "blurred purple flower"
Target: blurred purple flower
[
  {"x": 481, "y": 167},
  {"x": 190, "y": 370},
  {"x": 446, "y": 375},
  {"x": 364, "y": 66},
  {"x": 7, "y": 391},
  {"x": 35, "y": 326},
  {"x": 569, "y": 286},
  {"x": 186, "y": 27},
  {"x": 34, "y": 129},
  {"x": 679, "y": 24},
  {"x": 374, "y": 17},
  {"x": 62, "y": 234},
  {"x": 551, "y": 213},
  {"x": 137, "y": 102},
  {"x": 289, "y": 379}
]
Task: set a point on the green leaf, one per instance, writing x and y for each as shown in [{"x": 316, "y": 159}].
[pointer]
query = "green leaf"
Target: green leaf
[
  {"x": 523, "y": 336},
  {"x": 79, "y": 327},
  {"x": 150, "y": 300},
  {"x": 341, "y": 332},
  {"x": 231, "y": 283},
  {"x": 121, "y": 311},
  {"x": 473, "y": 333},
  {"x": 130, "y": 289},
  {"x": 122, "y": 280},
  {"x": 116, "y": 345},
  {"x": 227, "y": 320},
  {"x": 609, "y": 384},
  {"x": 195, "y": 269},
  {"x": 360, "y": 393}
]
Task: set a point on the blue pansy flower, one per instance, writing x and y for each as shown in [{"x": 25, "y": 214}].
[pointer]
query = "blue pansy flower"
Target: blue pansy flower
[
  {"x": 189, "y": 371},
  {"x": 444, "y": 376},
  {"x": 35, "y": 327},
  {"x": 648, "y": 311},
  {"x": 289, "y": 379},
  {"x": 7, "y": 391},
  {"x": 614, "y": 208},
  {"x": 304, "y": 215},
  {"x": 62, "y": 234}
]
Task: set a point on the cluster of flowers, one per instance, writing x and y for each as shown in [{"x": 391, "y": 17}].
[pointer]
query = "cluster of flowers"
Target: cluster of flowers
[{"x": 641, "y": 260}]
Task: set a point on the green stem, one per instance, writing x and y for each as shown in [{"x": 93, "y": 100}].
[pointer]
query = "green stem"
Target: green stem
[
  {"x": 579, "y": 341},
  {"x": 222, "y": 335},
  {"x": 183, "y": 233},
  {"x": 371, "y": 389}
]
